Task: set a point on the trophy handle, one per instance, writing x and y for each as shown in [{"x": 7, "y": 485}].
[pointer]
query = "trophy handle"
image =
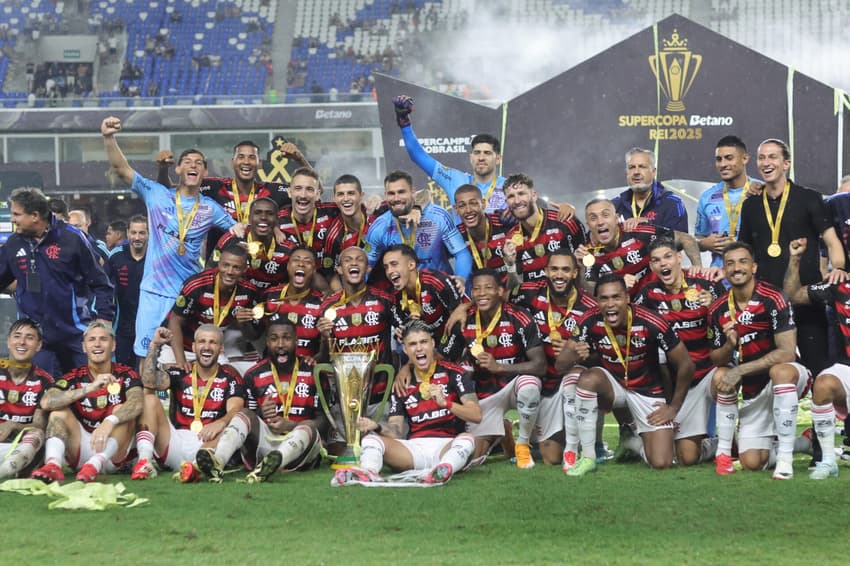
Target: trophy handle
[
  {"x": 317, "y": 379},
  {"x": 390, "y": 371}
]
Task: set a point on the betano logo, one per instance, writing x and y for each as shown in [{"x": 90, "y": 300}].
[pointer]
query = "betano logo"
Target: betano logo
[{"x": 675, "y": 68}]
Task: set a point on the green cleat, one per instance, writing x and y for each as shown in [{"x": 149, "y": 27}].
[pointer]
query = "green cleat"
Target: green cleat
[
  {"x": 211, "y": 467},
  {"x": 583, "y": 467},
  {"x": 266, "y": 468}
]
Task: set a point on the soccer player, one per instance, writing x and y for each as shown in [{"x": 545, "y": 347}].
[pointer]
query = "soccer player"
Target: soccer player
[
  {"x": 436, "y": 406},
  {"x": 306, "y": 221},
  {"x": 279, "y": 428},
  {"x": 626, "y": 339},
  {"x": 435, "y": 238},
  {"x": 126, "y": 267},
  {"x": 298, "y": 302},
  {"x": 502, "y": 344},
  {"x": 646, "y": 198},
  {"x": 556, "y": 304},
  {"x": 93, "y": 411},
  {"x": 204, "y": 399},
  {"x": 349, "y": 228},
  {"x": 719, "y": 207},
  {"x": 683, "y": 301},
  {"x": 178, "y": 222},
  {"x": 218, "y": 296},
  {"x": 22, "y": 386},
  {"x": 539, "y": 231},
  {"x": 485, "y": 233},
  {"x": 611, "y": 249},
  {"x": 753, "y": 324},
  {"x": 421, "y": 293}
]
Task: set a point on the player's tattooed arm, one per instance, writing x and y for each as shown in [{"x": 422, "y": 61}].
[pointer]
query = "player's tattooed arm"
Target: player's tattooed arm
[
  {"x": 131, "y": 408},
  {"x": 55, "y": 398},
  {"x": 690, "y": 246},
  {"x": 153, "y": 377}
]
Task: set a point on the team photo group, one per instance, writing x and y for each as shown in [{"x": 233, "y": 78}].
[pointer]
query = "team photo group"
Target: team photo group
[{"x": 259, "y": 328}]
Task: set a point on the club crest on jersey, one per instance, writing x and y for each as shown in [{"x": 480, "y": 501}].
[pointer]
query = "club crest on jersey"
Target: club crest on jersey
[
  {"x": 302, "y": 389},
  {"x": 539, "y": 250},
  {"x": 293, "y": 317},
  {"x": 216, "y": 255},
  {"x": 676, "y": 305},
  {"x": 617, "y": 262},
  {"x": 180, "y": 301},
  {"x": 101, "y": 401},
  {"x": 12, "y": 396},
  {"x": 356, "y": 319}
]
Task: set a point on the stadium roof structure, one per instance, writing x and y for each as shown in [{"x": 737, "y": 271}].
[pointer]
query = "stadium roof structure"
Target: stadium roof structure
[{"x": 675, "y": 87}]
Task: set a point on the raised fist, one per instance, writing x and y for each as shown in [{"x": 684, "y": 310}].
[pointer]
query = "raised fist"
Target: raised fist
[
  {"x": 111, "y": 125},
  {"x": 403, "y": 107}
]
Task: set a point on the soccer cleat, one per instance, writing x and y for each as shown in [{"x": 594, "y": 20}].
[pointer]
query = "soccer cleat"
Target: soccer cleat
[
  {"x": 352, "y": 476},
  {"x": 824, "y": 470},
  {"x": 49, "y": 473},
  {"x": 189, "y": 473},
  {"x": 440, "y": 474},
  {"x": 784, "y": 470},
  {"x": 723, "y": 464},
  {"x": 602, "y": 453},
  {"x": 143, "y": 470},
  {"x": 569, "y": 461},
  {"x": 523, "y": 456},
  {"x": 583, "y": 467},
  {"x": 623, "y": 452},
  {"x": 87, "y": 474},
  {"x": 266, "y": 468},
  {"x": 211, "y": 466}
]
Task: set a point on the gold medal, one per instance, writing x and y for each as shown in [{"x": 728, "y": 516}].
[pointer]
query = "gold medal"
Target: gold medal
[
  {"x": 691, "y": 294},
  {"x": 774, "y": 250},
  {"x": 114, "y": 388},
  {"x": 517, "y": 238},
  {"x": 196, "y": 426},
  {"x": 330, "y": 314},
  {"x": 253, "y": 248},
  {"x": 414, "y": 307},
  {"x": 554, "y": 337},
  {"x": 424, "y": 391},
  {"x": 181, "y": 249},
  {"x": 588, "y": 260},
  {"x": 476, "y": 349},
  {"x": 258, "y": 312}
]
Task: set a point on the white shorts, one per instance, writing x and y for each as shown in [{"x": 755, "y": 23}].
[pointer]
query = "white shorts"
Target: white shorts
[
  {"x": 493, "y": 412},
  {"x": 426, "y": 451},
  {"x": 5, "y": 448},
  {"x": 755, "y": 417},
  {"x": 641, "y": 406},
  {"x": 182, "y": 447},
  {"x": 692, "y": 419},
  {"x": 85, "y": 452},
  {"x": 550, "y": 419},
  {"x": 842, "y": 372},
  {"x": 267, "y": 442}
]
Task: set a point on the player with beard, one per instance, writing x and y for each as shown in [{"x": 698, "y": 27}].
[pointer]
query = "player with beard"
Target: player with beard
[
  {"x": 217, "y": 296},
  {"x": 683, "y": 301},
  {"x": 538, "y": 231},
  {"x": 349, "y": 228},
  {"x": 126, "y": 267},
  {"x": 556, "y": 303},
  {"x": 502, "y": 345},
  {"x": 22, "y": 385},
  {"x": 612, "y": 249},
  {"x": 646, "y": 198},
  {"x": 624, "y": 341},
  {"x": 752, "y": 324},
  {"x": 298, "y": 302},
  {"x": 204, "y": 399},
  {"x": 420, "y": 293},
  {"x": 435, "y": 238},
  {"x": 93, "y": 412},
  {"x": 282, "y": 400},
  {"x": 436, "y": 407},
  {"x": 267, "y": 258}
]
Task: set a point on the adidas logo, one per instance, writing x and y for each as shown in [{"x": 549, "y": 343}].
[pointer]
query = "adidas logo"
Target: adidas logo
[{"x": 21, "y": 253}]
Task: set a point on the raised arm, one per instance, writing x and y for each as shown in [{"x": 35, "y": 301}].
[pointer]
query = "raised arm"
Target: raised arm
[
  {"x": 152, "y": 376},
  {"x": 691, "y": 247},
  {"x": 797, "y": 293},
  {"x": 109, "y": 127}
]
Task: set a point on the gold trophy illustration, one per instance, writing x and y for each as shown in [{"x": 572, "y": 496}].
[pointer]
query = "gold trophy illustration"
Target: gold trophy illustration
[{"x": 675, "y": 68}]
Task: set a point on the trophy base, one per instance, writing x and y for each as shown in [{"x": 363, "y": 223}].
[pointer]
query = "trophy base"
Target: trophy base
[
  {"x": 675, "y": 106},
  {"x": 348, "y": 459}
]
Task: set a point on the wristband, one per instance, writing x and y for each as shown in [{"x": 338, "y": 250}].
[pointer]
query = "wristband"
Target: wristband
[
  {"x": 111, "y": 418},
  {"x": 449, "y": 404}
]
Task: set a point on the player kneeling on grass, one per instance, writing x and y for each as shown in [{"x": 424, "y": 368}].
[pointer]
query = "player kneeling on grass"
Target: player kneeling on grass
[
  {"x": 437, "y": 404},
  {"x": 625, "y": 340},
  {"x": 203, "y": 402},
  {"x": 93, "y": 412},
  {"x": 22, "y": 385},
  {"x": 282, "y": 400}
]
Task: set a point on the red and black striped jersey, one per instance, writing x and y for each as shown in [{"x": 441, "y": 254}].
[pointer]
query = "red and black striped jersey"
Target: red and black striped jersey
[
  {"x": 509, "y": 342},
  {"x": 533, "y": 296},
  {"x": 310, "y": 234},
  {"x": 838, "y": 296},
  {"x": 630, "y": 257},
  {"x": 339, "y": 238},
  {"x": 222, "y": 189},
  {"x": 532, "y": 255},
  {"x": 97, "y": 405},
  {"x": 264, "y": 270},
  {"x": 490, "y": 252},
  {"x": 767, "y": 313},
  {"x": 225, "y": 384},
  {"x": 437, "y": 299},
  {"x": 259, "y": 386},
  {"x": 424, "y": 416},
  {"x": 304, "y": 315},
  {"x": 648, "y": 333},
  {"x": 196, "y": 303},
  {"x": 18, "y": 401},
  {"x": 689, "y": 319}
]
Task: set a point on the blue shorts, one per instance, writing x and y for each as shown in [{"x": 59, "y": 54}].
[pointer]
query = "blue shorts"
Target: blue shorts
[{"x": 152, "y": 311}]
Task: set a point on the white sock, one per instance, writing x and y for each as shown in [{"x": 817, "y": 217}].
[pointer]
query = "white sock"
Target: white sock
[
  {"x": 100, "y": 459},
  {"x": 727, "y": 420},
  {"x": 785, "y": 419},
  {"x": 144, "y": 445},
  {"x": 587, "y": 407},
  {"x": 54, "y": 451},
  {"x": 295, "y": 445},
  {"x": 372, "y": 453},
  {"x": 458, "y": 453},
  {"x": 568, "y": 396},
  {"x": 823, "y": 418},
  {"x": 527, "y": 405},
  {"x": 232, "y": 438}
]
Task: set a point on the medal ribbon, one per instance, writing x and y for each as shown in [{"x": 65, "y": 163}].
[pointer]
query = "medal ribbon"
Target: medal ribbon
[
  {"x": 406, "y": 303},
  {"x": 730, "y": 301},
  {"x": 429, "y": 373},
  {"x": 623, "y": 361},
  {"x": 490, "y": 190},
  {"x": 237, "y": 203},
  {"x": 218, "y": 314},
  {"x": 550, "y": 316},
  {"x": 734, "y": 215},
  {"x": 289, "y": 392},
  {"x": 343, "y": 300},
  {"x": 360, "y": 233},
  {"x": 196, "y": 392},
  {"x": 477, "y": 257},
  {"x": 634, "y": 205},
  {"x": 296, "y": 296},
  {"x": 183, "y": 227},
  {"x": 408, "y": 241},
  {"x": 479, "y": 335},
  {"x": 309, "y": 242},
  {"x": 8, "y": 363},
  {"x": 775, "y": 226}
]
